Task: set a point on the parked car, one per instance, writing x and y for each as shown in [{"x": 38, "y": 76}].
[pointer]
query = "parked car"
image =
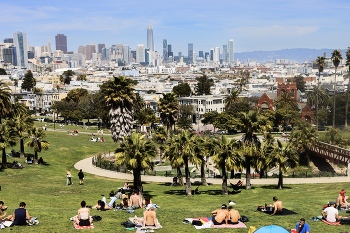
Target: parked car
[
  {"x": 221, "y": 132},
  {"x": 322, "y": 128}
]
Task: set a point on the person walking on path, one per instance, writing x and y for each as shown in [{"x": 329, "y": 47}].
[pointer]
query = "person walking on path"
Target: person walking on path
[
  {"x": 69, "y": 177},
  {"x": 81, "y": 177}
]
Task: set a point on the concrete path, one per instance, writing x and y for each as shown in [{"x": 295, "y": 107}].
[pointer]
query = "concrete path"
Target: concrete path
[{"x": 86, "y": 165}]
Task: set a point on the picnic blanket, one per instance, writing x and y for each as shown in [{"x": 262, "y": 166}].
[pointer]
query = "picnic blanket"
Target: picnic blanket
[
  {"x": 284, "y": 212},
  {"x": 83, "y": 227},
  {"x": 139, "y": 225},
  {"x": 208, "y": 223},
  {"x": 331, "y": 223}
]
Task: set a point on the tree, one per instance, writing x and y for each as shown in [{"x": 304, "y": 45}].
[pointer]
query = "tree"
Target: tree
[
  {"x": 201, "y": 148},
  {"x": 299, "y": 80},
  {"x": 320, "y": 62},
  {"x": 210, "y": 118},
  {"x": 81, "y": 77},
  {"x": 3, "y": 71},
  {"x": 88, "y": 106},
  {"x": 36, "y": 90},
  {"x": 68, "y": 76},
  {"x": 251, "y": 123},
  {"x": 37, "y": 142},
  {"x": 5, "y": 100},
  {"x": 173, "y": 155},
  {"x": 223, "y": 121},
  {"x": 347, "y": 91},
  {"x": 283, "y": 156},
  {"x": 242, "y": 80},
  {"x": 168, "y": 109},
  {"x": 8, "y": 137},
  {"x": 151, "y": 91},
  {"x": 231, "y": 99},
  {"x": 286, "y": 109},
  {"x": 336, "y": 57},
  {"x": 76, "y": 94},
  {"x": 203, "y": 85},
  {"x": 226, "y": 157},
  {"x": 119, "y": 96},
  {"x": 29, "y": 81},
  {"x": 182, "y": 90},
  {"x": 186, "y": 113},
  {"x": 160, "y": 136},
  {"x": 333, "y": 137},
  {"x": 303, "y": 136},
  {"x": 136, "y": 154}
]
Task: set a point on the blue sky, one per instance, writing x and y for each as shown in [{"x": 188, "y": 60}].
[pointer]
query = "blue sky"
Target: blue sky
[{"x": 254, "y": 25}]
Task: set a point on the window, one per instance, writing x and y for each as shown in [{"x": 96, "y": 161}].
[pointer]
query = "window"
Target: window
[{"x": 292, "y": 93}]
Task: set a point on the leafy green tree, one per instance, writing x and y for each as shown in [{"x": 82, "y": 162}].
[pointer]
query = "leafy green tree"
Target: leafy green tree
[
  {"x": 37, "y": 142},
  {"x": 88, "y": 106},
  {"x": 186, "y": 114},
  {"x": 347, "y": 92},
  {"x": 81, "y": 77},
  {"x": 136, "y": 153},
  {"x": 333, "y": 137},
  {"x": 336, "y": 58},
  {"x": 36, "y": 90},
  {"x": 226, "y": 157},
  {"x": 339, "y": 108},
  {"x": 231, "y": 99},
  {"x": 5, "y": 100},
  {"x": 286, "y": 109},
  {"x": 151, "y": 91},
  {"x": 303, "y": 136},
  {"x": 182, "y": 90},
  {"x": 76, "y": 94},
  {"x": 168, "y": 109},
  {"x": 223, "y": 121},
  {"x": 241, "y": 105},
  {"x": 119, "y": 96},
  {"x": 203, "y": 85},
  {"x": 29, "y": 81},
  {"x": 299, "y": 80},
  {"x": 3, "y": 71},
  {"x": 283, "y": 156},
  {"x": 242, "y": 80},
  {"x": 68, "y": 76},
  {"x": 320, "y": 62},
  {"x": 145, "y": 116},
  {"x": 8, "y": 137},
  {"x": 210, "y": 118}
]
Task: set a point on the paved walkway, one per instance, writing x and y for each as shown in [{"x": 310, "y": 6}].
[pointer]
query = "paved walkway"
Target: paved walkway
[{"x": 86, "y": 165}]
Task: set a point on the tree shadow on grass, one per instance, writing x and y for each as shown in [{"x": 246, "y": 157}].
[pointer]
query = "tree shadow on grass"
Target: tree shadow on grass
[
  {"x": 180, "y": 192},
  {"x": 147, "y": 194},
  {"x": 274, "y": 186},
  {"x": 165, "y": 184}
]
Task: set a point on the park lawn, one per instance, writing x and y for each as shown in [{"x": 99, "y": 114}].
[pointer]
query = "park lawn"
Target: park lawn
[{"x": 43, "y": 188}]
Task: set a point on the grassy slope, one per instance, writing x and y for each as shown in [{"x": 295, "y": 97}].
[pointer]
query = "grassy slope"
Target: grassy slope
[{"x": 43, "y": 188}]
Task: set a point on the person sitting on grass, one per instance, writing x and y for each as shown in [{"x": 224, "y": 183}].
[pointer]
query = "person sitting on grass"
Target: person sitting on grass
[
  {"x": 276, "y": 208},
  {"x": 2, "y": 209},
  {"x": 342, "y": 200},
  {"x": 302, "y": 227},
  {"x": 21, "y": 215},
  {"x": 233, "y": 216},
  {"x": 149, "y": 217},
  {"x": 135, "y": 199},
  {"x": 219, "y": 216},
  {"x": 119, "y": 194},
  {"x": 332, "y": 213},
  {"x": 83, "y": 218},
  {"x": 146, "y": 202},
  {"x": 126, "y": 186},
  {"x": 125, "y": 202}
]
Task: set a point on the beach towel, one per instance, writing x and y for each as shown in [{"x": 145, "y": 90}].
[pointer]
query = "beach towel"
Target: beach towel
[
  {"x": 208, "y": 223},
  {"x": 284, "y": 212},
  {"x": 139, "y": 225},
  {"x": 331, "y": 223},
  {"x": 83, "y": 227}
]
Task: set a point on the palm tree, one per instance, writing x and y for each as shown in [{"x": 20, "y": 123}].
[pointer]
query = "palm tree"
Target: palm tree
[
  {"x": 168, "y": 109},
  {"x": 119, "y": 97},
  {"x": 7, "y": 138},
  {"x": 226, "y": 157},
  {"x": 283, "y": 156},
  {"x": 336, "y": 57},
  {"x": 37, "y": 142},
  {"x": 5, "y": 100},
  {"x": 347, "y": 92},
  {"x": 319, "y": 94},
  {"x": 320, "y": 62},
  {"x": 231, "y": 99},
  {"x": 303, "y": 136},
  {"x": 173, "y": 155},
  {"x": 160, "y": 137},
  {"x": 21, "y": 123},
  {"x": 252, "y": 123},
  {"x": 136, "y": 153}
]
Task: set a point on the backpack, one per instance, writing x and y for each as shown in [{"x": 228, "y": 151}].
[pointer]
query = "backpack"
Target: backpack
[
  {"x": 96, "y": 218},
  {"x": 197, "y": 223},
  {"x": 244, "y": 219},
  {"x": 128, "y": 224}
]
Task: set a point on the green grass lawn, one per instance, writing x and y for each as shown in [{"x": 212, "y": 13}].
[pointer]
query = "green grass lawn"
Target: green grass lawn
[{"x": 43, "y": 188}]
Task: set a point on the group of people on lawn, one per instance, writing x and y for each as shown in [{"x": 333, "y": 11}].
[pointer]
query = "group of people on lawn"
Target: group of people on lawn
[{"x": 19, "y": 217}]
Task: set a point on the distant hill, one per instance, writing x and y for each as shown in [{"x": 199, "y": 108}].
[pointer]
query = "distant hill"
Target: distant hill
[{"x": 298, "y": 55}]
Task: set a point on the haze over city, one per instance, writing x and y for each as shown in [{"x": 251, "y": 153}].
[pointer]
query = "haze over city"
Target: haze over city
[{"x": 254, "y": 25}]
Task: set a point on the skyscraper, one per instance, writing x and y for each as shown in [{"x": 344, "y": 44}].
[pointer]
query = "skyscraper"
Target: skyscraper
[
  {"x": 211, "y": 54},
  {"x": 100, "y": 47},
  {"x": 216, "y": 54},
  {"x": 140, "y": 53},
  {"x": 82, "y": 49},
  {"x": 90, "y": 49},
  {"x": 165, "y": 49},
  {"x": 61, "y": 42},
  {"x": 21, "y": 44},
  {"x": 224, "y": 53},
  {"x": 150, "y": 39},
  {"x": 230, "y": 51},
  {"x": 126, "y": 53},
  {"x": 200, "y": 54},
  {"x": 190, "y": 52},
  {"x": 49, "y": 45},
  {"x": 8, "y": 40}
]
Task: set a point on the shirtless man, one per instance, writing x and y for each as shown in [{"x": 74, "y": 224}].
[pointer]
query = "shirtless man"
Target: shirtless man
[
  {"x": 135, "y": 199},
  {"x": 149, "y": 217},
  {"x": 342, "y": 200},
  {"x": 233, "y": 216},
  {"x": 276, "y": 207},
  {"x": 2, "y": 216},
  {"x": 219, "y": 215}
]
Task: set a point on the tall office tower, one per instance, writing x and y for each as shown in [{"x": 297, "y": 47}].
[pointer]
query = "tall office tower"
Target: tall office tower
[
  {"x": 211, "y": 54},
  {"x": 133, "y": 55},
  {"x": 9, "y": 55},
  {"x": 119, "y": 51},
  {"x": 140, "y": 53},
  {"x": 150, "y": 39},
  {"x": 190, "y": 52},
  {"x": 21, "y": 44},
  {"x": 200, "y": 54},
  {"x": 100, "y": 47},
  {"x": 90, "y": 49},
  {"x": 169, "y": 49},
  {"x": 8, "y": 40},
  {"x": 61, "y": 42},
  {"x": 180, "y": 54},
  {"x": 82, "y": 49},
  {"x": 126, "y": 53},
  {"x": 224, "y": 53},
  {"x": 230, "y": 51},
  {"x": 105, "y": 54},
  {"x": 216, "y": 54},
  {"x": 165, "y": 49},
  {"x": 206, "y": 54},
  {"x": 147, "y": 55},
  {"x": 49, "y": 45}
]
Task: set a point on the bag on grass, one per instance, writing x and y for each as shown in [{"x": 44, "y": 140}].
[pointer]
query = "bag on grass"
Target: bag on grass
[
  {"x": 96, "y": 218},
  {"x": 244, "y": 219},
  {"x": 345, "y": 221},
  {"x": 197, "y": 223},
  {"x": 128, "y": 224}
]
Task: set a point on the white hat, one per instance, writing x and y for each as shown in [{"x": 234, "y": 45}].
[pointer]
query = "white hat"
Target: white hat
[{"x": 149, "y": 206}]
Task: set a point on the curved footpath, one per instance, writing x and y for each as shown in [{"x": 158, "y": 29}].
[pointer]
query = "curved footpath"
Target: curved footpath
[{"x": 86, "y": 165}]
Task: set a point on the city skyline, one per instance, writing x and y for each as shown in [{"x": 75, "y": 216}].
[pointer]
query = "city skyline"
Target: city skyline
[{"x": 257, "y": 26}]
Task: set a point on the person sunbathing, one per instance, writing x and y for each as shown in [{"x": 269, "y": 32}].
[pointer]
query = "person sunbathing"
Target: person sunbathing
[
  {"x": 101, "y": 205},
  {"x": 2, "y": 209},
  {"x": 149, "y": 217},
  {"x": 135, "y": 199},
  {"x": 219, "y": 215},
  {"x": 342, "y": 200},
  {"x": 146, "y": 202},
  {"x": 232, "y": 216},
  {"x": 276, "y": 208},
  {"x": 83, "y": 218}
]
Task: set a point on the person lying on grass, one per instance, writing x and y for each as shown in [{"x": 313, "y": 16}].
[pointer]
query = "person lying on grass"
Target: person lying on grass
[
  {"x": 149, "y": 217},
  {"x": 2, "y": 209},
  {"x": 219, "y": 215},
  {"x": 102, "y": 206},
  {"x": 276, "y": 208},
  {"x": 232, "y": 216},
  {"x": 83, "y": 218}
]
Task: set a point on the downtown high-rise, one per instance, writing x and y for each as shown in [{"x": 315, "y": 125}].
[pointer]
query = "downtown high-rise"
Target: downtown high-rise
[
  {"x": 230, "y": 51},
  {"x": 224, "y": 53},
  {"x": 21, "y": 44},
  {"x": 150, "y": 39},
  {"x": 165, "y": 49},
  {"x": 61, "y": 42},
  {"x": 190, "y": 52}
]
